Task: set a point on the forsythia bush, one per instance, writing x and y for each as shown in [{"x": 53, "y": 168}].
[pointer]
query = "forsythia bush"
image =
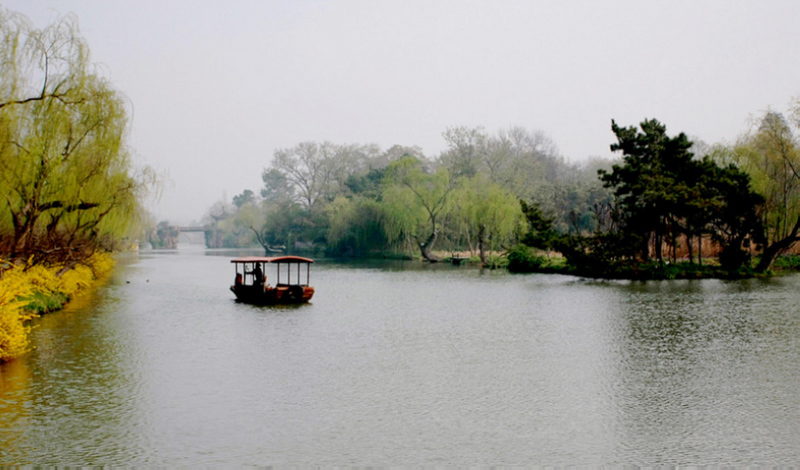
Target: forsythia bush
[{"x": 26, "y": 293}]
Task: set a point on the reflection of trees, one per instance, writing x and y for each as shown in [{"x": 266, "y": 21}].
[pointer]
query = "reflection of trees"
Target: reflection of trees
[
  {"x": 14, "y": 396},
  {"x": 68, "y": 400},
  {"x": 692, "y": 358}
]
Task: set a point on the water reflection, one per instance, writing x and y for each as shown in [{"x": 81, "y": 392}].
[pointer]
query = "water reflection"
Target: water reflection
[
  {"x": 430, "y": 365},
  {"x": 695, "y": 372},
  {"x": 79, "y": 399}
]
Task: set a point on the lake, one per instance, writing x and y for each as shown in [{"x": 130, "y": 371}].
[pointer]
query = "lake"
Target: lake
[{"x": 405, "y": 363}]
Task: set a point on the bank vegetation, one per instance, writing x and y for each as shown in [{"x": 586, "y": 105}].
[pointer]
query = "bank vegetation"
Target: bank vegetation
[
  {"x": 669, "y": 206},
  {"x": 70, "y": 191}
]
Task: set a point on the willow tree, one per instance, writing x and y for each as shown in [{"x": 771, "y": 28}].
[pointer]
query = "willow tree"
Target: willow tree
[
  {"x": 770, "y": 154},
  {"x": 355, "y": 226},
  {"x": 410, "y": 190},
  {"x": 67, "y": 181},
  {"x": 487, "y": 214}
]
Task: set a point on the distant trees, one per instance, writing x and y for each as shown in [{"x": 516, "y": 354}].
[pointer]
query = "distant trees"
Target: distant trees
[
  {"x": 486, "y": 193},
  {"x": 67, "y": 182},
  {"x": 664, "y": 198},
  {"x": 354, "y": 199}
]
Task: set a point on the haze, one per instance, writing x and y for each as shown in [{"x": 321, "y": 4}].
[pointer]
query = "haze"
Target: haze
[{"x": 216, "y": 87}]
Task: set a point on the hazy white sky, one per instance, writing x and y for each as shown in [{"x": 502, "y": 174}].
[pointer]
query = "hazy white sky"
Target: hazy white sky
[{"x": 217, "y": 86}]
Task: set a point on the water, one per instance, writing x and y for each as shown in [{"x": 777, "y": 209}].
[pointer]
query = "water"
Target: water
[{"x": 391, "y": 365}]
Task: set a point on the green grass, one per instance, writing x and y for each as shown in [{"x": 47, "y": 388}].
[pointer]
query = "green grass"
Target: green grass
[
  {"x": 787, "y": 263},
  {"x": 41, "y": 303}
]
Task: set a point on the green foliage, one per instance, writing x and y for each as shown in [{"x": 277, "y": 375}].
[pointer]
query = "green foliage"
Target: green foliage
[
  {"x": 661, "y": 193},
  {"x": 246, "y": 198},
  {"x": 402, "y": 217},
  {"x": 649, "y": 183},
  {"x": 28, "y": 290},
  {"x": 368, "y": 185},
  {"x": 485, "y": 214},
  {"x": 40, "y": 302},
  {"x": 787, "y": 263},
  {"x": 522, "y": 259},
  {"x": 771, "y": 157},
  {"x": 413, "y": 190},
  {"x": 540, "y": 232},
  {"x": 66, "y": 176},
  {"x": 356, "y": 200},
  {"x": 355, "y": 227}
]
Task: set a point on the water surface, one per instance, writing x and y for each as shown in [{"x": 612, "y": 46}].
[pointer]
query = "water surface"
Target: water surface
[{"x": 404, "y": 363}]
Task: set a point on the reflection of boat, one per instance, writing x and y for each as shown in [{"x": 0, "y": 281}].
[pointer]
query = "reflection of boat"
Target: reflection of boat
[{"x": 291, "y": 275}]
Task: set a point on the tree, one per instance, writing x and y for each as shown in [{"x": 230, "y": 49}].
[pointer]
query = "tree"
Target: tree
[
  {"x": 308, "y": 168},
  {"x": 247, "y": 197},
  {"x": 67, "y": 180},
  {"x": 277, "y": 188},
  {"x": 771, "y": 156},
  {"x": 540, "y": 233},
  {"x": 649, "y": 183},
  {"x": 662, "y": 193},
  {"x": 407, "y": 183},
  {"x": 731, "y": 212},
  {"x": 314, "y": 174},
  {"x": 466, "y": 151},
  {"x": 355, "y": 226},
  {"x": 488, "y": 214}
]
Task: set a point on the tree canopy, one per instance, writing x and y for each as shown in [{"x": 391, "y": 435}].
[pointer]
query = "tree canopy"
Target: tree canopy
[
  {"x": 486, "y": 192},
  {"x": 66, "y": 174},
  {"x": 770, "y": 154},
  {"x": 663, "y": 197}
]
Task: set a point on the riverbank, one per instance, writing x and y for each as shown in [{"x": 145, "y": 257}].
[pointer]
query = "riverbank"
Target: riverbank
[
  {"x": 29, "y": 291},
  {"x": 525, "y": 260}
]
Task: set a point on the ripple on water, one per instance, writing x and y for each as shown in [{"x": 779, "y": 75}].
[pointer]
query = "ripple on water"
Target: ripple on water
[{"x": 436, "y": 365}]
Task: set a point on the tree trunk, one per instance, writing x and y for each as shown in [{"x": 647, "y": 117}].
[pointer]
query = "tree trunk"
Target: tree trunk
[
  {"x": 268, "y": 249},
  {"x": 700, "y": 250},
  {"x": 645, "y": 249},
  {"x": 481, "y": 246},
  {"x": 658, "y": 249},
  {"x": 771, "y": 252},
  {"x": 426, "y": 248}
]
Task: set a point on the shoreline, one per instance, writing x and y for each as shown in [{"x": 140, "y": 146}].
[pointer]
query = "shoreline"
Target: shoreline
[{"x": 28, "y": 292}]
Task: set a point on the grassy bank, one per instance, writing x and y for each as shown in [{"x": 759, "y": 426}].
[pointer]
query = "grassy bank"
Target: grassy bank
[{"x": 29, "y": 291}]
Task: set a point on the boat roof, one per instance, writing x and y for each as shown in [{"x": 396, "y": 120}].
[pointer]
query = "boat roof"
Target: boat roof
[{"x": 272, "y": 259}]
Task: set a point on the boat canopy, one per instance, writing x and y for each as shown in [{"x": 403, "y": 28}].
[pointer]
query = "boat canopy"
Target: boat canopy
[{"x": 272, "y": 259}]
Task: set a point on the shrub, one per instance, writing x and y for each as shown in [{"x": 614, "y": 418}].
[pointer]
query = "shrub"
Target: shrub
[
  {"x": 27, "y": 291},
  {"x": 523, "y": 259}
]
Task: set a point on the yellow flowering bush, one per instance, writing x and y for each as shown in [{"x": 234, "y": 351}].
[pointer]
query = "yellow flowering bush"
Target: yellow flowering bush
[{"x": 25, "y": 293}]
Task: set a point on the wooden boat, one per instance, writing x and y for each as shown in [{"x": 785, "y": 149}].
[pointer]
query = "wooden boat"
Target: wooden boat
[{"x": 291, "y": 287}]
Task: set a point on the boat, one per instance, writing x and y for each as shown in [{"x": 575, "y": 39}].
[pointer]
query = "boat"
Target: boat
[{"x": 251, "y": 284}]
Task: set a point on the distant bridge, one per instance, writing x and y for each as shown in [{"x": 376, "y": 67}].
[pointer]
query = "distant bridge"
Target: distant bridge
[
  {"x": 192, "y": 228},
  {"x": 168, "y": 235}
]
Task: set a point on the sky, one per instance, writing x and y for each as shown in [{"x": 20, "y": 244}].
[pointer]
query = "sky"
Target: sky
[{"x": 215, "y": 87}]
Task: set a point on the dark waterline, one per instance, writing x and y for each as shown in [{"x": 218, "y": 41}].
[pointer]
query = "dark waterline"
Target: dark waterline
[{"x": 409, "y": 364}]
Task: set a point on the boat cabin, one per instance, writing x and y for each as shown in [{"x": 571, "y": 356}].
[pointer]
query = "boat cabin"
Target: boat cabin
[{"x": 268, "y": 280}]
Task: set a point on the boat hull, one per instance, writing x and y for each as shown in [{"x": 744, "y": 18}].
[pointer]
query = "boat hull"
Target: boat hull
[{"x": 259, "y": 295}]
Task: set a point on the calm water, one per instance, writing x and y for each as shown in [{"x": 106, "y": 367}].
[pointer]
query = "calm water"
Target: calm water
[{"x": 392, "y": 364}]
